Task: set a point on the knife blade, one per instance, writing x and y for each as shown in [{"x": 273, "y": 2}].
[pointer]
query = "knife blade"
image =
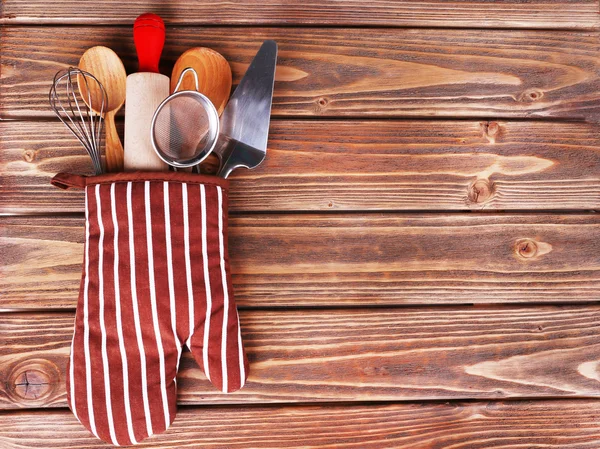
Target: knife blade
[{"x": 245, "y": 121}]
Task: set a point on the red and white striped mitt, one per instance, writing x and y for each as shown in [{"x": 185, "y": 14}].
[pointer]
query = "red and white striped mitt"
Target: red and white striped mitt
[{"x": 155, "y": 277}]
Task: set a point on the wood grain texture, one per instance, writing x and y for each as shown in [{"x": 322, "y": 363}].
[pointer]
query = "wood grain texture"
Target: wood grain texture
[
  {"x": 352, "y": 355},
  {"x": 353, "y": 165},
  {"x": 563, "y": 14},
  {"x": 508, "y": 425},
  {"x": 320, "y": 260},
  {"x": 348, "y": 165},
  {"x": 348, "y": 72}
]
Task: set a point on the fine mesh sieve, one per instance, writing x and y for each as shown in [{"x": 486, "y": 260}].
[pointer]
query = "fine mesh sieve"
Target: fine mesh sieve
[{"x": 185, "y": 126}]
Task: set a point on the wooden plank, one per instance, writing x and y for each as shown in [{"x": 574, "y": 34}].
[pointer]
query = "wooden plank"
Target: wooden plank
[
  {"x": 310, "y": 260},
  {"x": 508, "y": 425},
  {"x": 349, "y": 72},
  {"x": 556, "y": 14},
  {"x": 361, "y": 165},
  {"x": 351, "y": 355}
]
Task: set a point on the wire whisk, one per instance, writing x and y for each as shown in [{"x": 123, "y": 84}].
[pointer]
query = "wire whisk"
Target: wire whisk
[{"x": 72, "y": 94}]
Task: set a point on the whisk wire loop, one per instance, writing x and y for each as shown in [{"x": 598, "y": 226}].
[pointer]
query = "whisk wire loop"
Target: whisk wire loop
[{"x": 76, "y": 111}]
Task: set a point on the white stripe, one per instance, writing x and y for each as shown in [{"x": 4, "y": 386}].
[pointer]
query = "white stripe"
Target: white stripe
[
  {"x": 105, "y": 367},
  {"x": 113, "y": 209},
  {"x": 241, "y": 355},
  {"x": 136, "y": 313},
  {"x": 159, "y": 345},
  {"x": 188, "y": 265},
  {"x": 86, "y": 324},
  {"x": 72, "y": 375},
  {"x": 71, "y": 367},
  {"x": 170, "y": 264},
  {"x": 225, "y": 295},
  {"x": 206, "y": 283}
]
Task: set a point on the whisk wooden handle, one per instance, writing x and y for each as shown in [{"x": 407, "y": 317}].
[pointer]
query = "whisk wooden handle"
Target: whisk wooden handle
[{"x": 145, "y": 92}]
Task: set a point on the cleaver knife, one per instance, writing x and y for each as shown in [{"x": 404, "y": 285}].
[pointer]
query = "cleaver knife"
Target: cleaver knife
[{"x": 245, "y": 121}]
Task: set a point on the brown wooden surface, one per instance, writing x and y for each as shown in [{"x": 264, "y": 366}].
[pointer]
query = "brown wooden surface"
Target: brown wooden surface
[
  {"x": 555, "y": 14},
  {"x": 507, "y": 425},
  {"x": 323, "y": 260},
  {"x": 363, "y": 165},
  {"x": 348, "y": 72},
  {"x": 368, "y": 205},
  {"x": 352, "y": 355}
]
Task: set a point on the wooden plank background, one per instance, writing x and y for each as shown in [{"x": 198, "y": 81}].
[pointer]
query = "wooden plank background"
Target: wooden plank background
[
  {"x": 347, "y": 72},
  {"x": 337, "y": 260},
  {"x": 352, "y": 355},
  {"x": 362, "y": 165},
  {"x": 416, "y": 263},
  {"x": 568, "y": 424},
  {"x": 554, "y": 14}
]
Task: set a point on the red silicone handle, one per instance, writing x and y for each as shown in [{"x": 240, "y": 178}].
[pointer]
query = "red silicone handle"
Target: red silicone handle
[{"x": 149, "y": 39}]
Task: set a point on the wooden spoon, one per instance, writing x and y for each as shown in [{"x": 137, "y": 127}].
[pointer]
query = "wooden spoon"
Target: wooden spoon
[
  {"x": 105, "y": 65},
  {"x": 214, "y": 75}
]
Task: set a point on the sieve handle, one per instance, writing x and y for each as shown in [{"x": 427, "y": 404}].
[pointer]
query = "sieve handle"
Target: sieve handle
[{"x": 189, "y": 69}]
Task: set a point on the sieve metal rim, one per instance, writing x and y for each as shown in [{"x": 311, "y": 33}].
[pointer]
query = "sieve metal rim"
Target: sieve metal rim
[{"x": 214, "y": 129}]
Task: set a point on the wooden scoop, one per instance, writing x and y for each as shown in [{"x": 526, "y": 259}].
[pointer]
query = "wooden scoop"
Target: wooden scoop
[
  {"x": 214, "y": 75},
  {"x": 108, "y": 68}
]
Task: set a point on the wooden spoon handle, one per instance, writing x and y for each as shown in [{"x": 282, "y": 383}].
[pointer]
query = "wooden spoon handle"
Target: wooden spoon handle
[{"x": 113, "y": 147}]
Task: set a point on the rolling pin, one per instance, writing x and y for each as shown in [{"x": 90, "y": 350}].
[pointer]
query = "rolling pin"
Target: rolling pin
[{"x": 145, "y": 90}]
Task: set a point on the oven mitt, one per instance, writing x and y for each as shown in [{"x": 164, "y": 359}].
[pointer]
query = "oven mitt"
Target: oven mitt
[{"x": 155, "y": 277}]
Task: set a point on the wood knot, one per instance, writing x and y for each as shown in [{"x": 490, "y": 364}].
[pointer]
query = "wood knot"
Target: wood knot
[
  {"x": 526, "y": 248},
  {"x": 33, "y": 381},
  {"x": 480, "y": 191},
  {"x": 530, "y": 249},
  {"x": 531, "y": 95},
  {"x": 493, "y": 128},
  {"x": 28, "y": 155},
  {"x": 323, "y": 102},
  {"x": 491, "y": 131}
]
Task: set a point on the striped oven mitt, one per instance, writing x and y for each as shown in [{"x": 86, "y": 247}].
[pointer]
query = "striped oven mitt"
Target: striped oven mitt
[{"x": 155, "y": 277}]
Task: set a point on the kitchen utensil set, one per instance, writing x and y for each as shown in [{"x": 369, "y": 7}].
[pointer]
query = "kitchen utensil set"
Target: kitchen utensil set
[
  {"x": 161, "y": 130},
  {"x": 157, "y": 226}
]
